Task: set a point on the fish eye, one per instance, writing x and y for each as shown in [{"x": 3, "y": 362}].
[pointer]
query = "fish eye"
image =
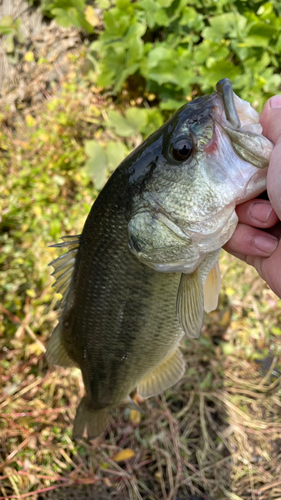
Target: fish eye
[{"x": 182, "y": 149}]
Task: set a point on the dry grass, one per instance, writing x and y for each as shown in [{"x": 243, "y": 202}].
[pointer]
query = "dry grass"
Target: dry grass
[{"x": 216, "y": 434}]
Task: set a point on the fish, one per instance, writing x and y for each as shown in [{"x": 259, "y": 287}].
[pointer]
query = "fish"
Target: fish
[{"x": 139, "y": 276}]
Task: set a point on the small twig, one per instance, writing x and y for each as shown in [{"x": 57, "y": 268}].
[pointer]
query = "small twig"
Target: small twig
[
  {"x": 12, "y": 455},
  {"x": 27, "y": 328}
]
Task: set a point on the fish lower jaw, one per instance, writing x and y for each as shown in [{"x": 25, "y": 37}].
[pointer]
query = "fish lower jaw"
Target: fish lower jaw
[
  {"x": 177, "y": 267},
  {"x": 256, "y": 128}
]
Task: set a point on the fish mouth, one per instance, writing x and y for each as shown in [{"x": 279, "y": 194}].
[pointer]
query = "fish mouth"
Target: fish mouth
[{"x": 243, "y": 127}]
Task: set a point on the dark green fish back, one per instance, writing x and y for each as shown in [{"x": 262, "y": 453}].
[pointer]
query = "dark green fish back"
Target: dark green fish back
[{"x": 114, "y": 333}]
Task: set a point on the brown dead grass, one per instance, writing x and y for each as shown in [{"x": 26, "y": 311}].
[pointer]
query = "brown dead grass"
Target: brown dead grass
[{"x": 217, "y": 434}]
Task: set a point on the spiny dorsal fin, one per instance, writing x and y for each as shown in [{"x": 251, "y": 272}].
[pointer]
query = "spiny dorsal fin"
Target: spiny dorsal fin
[
  {"x": 190, "y": 304},
  {"x": 64, "y": 265},
  {"x": 212, "y": 288}
]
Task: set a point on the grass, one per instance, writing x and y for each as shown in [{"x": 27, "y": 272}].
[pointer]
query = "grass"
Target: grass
[{"x": 216, "y": 434}]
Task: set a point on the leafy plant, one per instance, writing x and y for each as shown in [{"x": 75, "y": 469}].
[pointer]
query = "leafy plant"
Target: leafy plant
[
  {"x": 182, "y": 48},
  {"x": 11, "y": 31},
  {"x": 104, "y": 158},
  {"x": 70, "y": 13}
]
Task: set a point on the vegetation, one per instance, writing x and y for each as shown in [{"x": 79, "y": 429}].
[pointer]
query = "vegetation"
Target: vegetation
[{"x": 218, "y": 432}]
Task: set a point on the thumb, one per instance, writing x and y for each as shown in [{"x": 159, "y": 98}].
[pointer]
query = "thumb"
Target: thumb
[
  {"x": 270, "y": 119},
  {"x": 271, "y": 123}
]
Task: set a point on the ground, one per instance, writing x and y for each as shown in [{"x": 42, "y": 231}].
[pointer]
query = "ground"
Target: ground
[{"x": 215, "y": 435}]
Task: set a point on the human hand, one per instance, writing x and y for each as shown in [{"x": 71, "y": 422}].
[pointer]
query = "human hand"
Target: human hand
[{"x": 257, "y": 236}]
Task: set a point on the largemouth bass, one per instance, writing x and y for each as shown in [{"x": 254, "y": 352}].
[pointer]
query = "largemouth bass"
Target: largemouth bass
[{"x": 137, "y": 278}]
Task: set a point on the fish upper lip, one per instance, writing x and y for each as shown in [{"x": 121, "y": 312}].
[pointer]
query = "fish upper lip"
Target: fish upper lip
[
  {"x": 247, "y": 140},
  {"x": 225, "y": 90},
  {"x": 233, "y": 117}
]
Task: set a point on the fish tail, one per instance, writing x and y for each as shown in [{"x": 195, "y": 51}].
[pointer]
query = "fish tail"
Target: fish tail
[{"x": 87, "y": 419}]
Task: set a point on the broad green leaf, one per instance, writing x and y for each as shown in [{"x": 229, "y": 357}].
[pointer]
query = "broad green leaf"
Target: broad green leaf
[
  {"x": 8, "y": 44},
  {"x": 265, "y": 9},
  {"x": 272, "y": 85},
  {"x": 155, "y": 120},
  {"x": 123, "y": 75},
  {"x": 191, "y": 18},
  {"x": 276, "y": 330},
  {"x": 149, "y": 8},
  {"x": 171, "y": 104},
  {"x": 137, "y": 118},
  {"x": 115, "y": 152},
  {"x": 97, "y": 163},
  {"x": 161, "y": 18},
  {"x": 6, "y": 21},
  {"x": 7, "y": 25},
  {"x": 120, "y": 125},
  {"x": 219, "y": 70},
  {"x": 165, "y": 3},
  {"x": 103, "y": 4},
  {"x": 256, "y": 41}
]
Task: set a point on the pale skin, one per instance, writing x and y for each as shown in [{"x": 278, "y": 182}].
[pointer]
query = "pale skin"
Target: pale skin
[{"x": 257, "y": 239}]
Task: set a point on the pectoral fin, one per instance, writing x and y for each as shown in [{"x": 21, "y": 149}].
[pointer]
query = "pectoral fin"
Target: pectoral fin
[
  {"x": 163, "y": 376},
  {"x": 56, "y": 352},
  {"x": 190, "y": 304},
  {"x": 212, "y": 288}
]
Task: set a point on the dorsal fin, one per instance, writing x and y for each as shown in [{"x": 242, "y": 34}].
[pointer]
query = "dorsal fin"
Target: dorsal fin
[{"x": 64, "y": 265}]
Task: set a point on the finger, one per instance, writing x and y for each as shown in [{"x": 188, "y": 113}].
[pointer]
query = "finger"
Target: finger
[
  {"x": 275, "y": 230},
  {"x": 271, "y": 122},
  {"x": 257, "y": 213},
  {"x": 248, "y": 240},
  {"x": 274, "y": 178},
  {"x": 270, "y": 119},
  {"x": 268, "y": 268}
]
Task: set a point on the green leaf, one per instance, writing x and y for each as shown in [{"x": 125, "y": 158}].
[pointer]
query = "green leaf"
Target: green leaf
[
  {"x": 7, "y": 25},
  {"x": 229, "y": 24},
  {"x": 171, "y": 104},
  {"x": 165, "y": 3},
  {"x": 276, "y": 330},
  {"x": 272, "y": 85},
  {"x": 161, "y": 18},
  {"x": 155, "y": 120},
  {"x": 120, "y": 125},
  {"x": 256, "y": 41},
  {"x": 115, "y": 153},
  {"x": 265, "y": 9},
  {"x": 137, "y": 117},
  {"x": 97, "y": 163},
  {"x": 219, "y": 70}
]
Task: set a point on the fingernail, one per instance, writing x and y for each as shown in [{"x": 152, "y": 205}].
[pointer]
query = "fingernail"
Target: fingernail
[
  {"x": 266, "y": 243},
  {"x": 275, "y": 101},
  {"x": 261, "y": 211}
]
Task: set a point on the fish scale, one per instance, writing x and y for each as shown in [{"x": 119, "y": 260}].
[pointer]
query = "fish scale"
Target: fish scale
[
  {"x": 122, "y": 277},
  {"x": 146, "y": 263}
]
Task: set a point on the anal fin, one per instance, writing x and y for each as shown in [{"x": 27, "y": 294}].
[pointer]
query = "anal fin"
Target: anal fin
[
  {"x": 212, "y": 288},
  {"x": 87, "y": 419},
  {"x": 56, "y": 352},
  {"x": 190, "y": 304},
  {"x": 163, "y": 376}
]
